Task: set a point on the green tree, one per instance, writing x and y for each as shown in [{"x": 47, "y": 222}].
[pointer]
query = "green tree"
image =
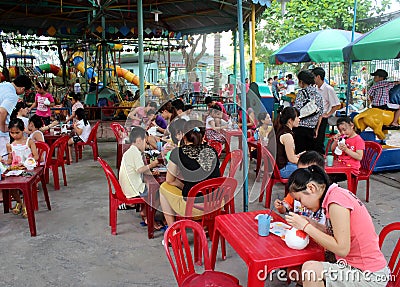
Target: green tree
[{"x": 303, "y": 17}]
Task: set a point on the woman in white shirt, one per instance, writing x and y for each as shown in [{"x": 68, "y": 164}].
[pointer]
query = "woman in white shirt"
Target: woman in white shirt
[{"x": 82, "y": 130}]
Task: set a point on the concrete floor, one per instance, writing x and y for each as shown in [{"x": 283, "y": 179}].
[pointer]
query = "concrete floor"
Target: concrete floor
[{"x": 74, "y": 246}]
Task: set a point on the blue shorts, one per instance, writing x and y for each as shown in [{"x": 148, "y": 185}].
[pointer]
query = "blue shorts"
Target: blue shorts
[{"x": 287, "y": 170}]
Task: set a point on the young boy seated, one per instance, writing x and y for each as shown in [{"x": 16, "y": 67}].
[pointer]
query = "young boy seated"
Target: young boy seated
[
  {"x": 132, "y": 168},
  {"x": 289, "y": 203}
]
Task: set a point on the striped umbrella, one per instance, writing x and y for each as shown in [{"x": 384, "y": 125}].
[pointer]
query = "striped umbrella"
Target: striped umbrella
[
  {"x": 380, "y": 43},
  {"x": 320, "y": 46}
]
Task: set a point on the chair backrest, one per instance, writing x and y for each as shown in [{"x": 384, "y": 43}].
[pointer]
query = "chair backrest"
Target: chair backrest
[
  {"x": 328, "y": 146},
  {"x": 215, "y": 192},
  {"x": 371, "y": 155},
  {"x": 93, "y": 133},
  {"x": 217, "y": 146},
  {"x": 235, "y": 157},
  {"x": 176, "y": 238},
  {"x": 117, "y": 129},
  {"x": 270, "y": 166},
  {"x": 394, "y": 261},
  {"x": 114, "y": 187},
  {"x": 43, "y": 151},
  {"x": 61, "y": 145}
]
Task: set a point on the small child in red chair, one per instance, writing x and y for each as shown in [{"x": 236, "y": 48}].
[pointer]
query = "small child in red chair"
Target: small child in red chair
[
  {"x": 352, "y": 151},
  {"x": 82, "y": 130},
  {"x": 20, "y": 150},
  {"x": 132, "y": 168}
]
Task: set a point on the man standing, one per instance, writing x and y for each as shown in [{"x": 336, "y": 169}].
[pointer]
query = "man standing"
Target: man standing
[
  {"x": 275, "y": 89},
  {"x": 379, "y": 94},
  {"x": 331, "y": 104},
  {"x": 8, "y": 99}
]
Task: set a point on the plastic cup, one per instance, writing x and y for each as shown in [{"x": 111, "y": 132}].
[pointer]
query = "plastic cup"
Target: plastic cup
[
  {"x": 264, "y": 222},
  {"x": 329, "y": 160}
]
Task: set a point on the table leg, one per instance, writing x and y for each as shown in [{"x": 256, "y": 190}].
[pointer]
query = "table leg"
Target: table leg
[
  {"x": 45, "y": 193},
  {"x": 214, "y": 247},
  {"x": 150, "y": 220},
  {"x": 119, "y": 155},
  {"x": 27, "y": 191},
  {"x": 6, "y": 200},
  {"x": 350, "y": 184},
  {"x": 257, "y": 274},
  {"x": 227, "y": 144}
]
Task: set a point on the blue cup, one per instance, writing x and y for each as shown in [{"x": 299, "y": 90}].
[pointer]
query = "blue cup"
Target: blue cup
[
  {"x": 256, "y": 136},
  {"x": 264, "y": 222},
  {"x": 159, "y": 145}
]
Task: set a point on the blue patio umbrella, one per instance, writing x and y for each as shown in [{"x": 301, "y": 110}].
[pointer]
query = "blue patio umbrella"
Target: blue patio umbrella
[{"x": 320, "y": 46}]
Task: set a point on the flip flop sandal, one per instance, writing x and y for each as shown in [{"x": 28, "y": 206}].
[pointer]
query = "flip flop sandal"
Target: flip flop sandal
[{"x": 123, "y": 206}]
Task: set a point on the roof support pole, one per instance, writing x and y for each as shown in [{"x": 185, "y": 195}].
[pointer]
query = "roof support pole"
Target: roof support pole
[
  {"x": 348, "y": 94},
  {"x": 104, "y": 49},
  {"x": 253, "y": 42},
  {"x": 244, "y": 108},
  {"x": 235, "y": 69},
  {"x": 141, "y": 52}
]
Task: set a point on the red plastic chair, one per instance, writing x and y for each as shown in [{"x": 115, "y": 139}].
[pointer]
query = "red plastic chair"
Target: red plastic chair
[
  {"x": 217, "y": 146},
  {"x": 92, "y": 141},
  {"x": 394, "y": 261},
  {"x": 116, "y": 196},
  {"x": 215, "y": 192},
  {"x": 117, "y": 129},
  {"x": 372, "y": 153},
  {"x": 176, "y": 238},
  {"x": 271, "y": 177},
  {"x": 54, "y": 163},
  {"x": 235, "y": 157},
  {"x": 43, "y": 151}
]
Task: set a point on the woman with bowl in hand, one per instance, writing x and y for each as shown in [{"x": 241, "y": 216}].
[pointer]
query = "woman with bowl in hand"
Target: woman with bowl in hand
[{"x": 350, "y": 233}]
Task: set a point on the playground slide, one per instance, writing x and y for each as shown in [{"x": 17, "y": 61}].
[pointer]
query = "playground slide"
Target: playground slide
[
  {"x": 49, "y": 68},
  {"x": 77, "y": 59},
  {"x": 13, "y": 73}
]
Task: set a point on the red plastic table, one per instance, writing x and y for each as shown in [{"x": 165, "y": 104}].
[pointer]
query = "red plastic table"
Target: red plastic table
[
  {"x": 340, "y": 167},
  {"x": 26, "y": 184},
  {"x": 261, "y": 254},
  {"x": 228, "y": 134},
  {"x": 153, "y": 184}
]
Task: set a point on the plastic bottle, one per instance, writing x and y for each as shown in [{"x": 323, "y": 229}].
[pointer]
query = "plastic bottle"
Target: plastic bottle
[{"x": 338, "y": 151}]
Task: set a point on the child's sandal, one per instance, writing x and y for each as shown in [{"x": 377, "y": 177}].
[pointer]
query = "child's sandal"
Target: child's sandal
[
  {"x": 17, "y": 209},
  {"x": 24, "y": 213}
]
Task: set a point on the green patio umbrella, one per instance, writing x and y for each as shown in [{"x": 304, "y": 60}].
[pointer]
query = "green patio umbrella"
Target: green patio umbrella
[
  {"x": 319, "y": 46},
  {"x": 380, "y": 43}
]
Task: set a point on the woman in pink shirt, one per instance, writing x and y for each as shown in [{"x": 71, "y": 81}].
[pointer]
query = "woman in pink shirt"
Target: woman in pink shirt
[
  {"x": 349, "y": 233},
  {"x": 43, "y": 102}
]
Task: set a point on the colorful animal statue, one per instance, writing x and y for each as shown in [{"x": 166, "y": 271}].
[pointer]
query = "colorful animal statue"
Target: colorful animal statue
[{"x": 375, "y": 119}]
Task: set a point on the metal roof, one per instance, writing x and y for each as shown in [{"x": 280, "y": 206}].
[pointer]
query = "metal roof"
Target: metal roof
[{"x": 75, "y": 18}]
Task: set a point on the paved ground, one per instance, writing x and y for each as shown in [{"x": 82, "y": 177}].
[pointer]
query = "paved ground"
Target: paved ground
[{"x": 74, "y": 246}]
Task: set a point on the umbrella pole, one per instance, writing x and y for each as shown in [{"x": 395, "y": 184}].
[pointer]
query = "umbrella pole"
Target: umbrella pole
[{"x": 141, "y": 53}]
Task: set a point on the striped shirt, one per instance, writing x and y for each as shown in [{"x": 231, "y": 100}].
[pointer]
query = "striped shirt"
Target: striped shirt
[{"x": 379, "y": 93}]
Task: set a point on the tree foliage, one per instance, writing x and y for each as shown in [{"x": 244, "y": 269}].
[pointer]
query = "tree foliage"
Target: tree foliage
[
  {"x": 303, "y": 17},
  {"x": 189, "y": 57}
]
